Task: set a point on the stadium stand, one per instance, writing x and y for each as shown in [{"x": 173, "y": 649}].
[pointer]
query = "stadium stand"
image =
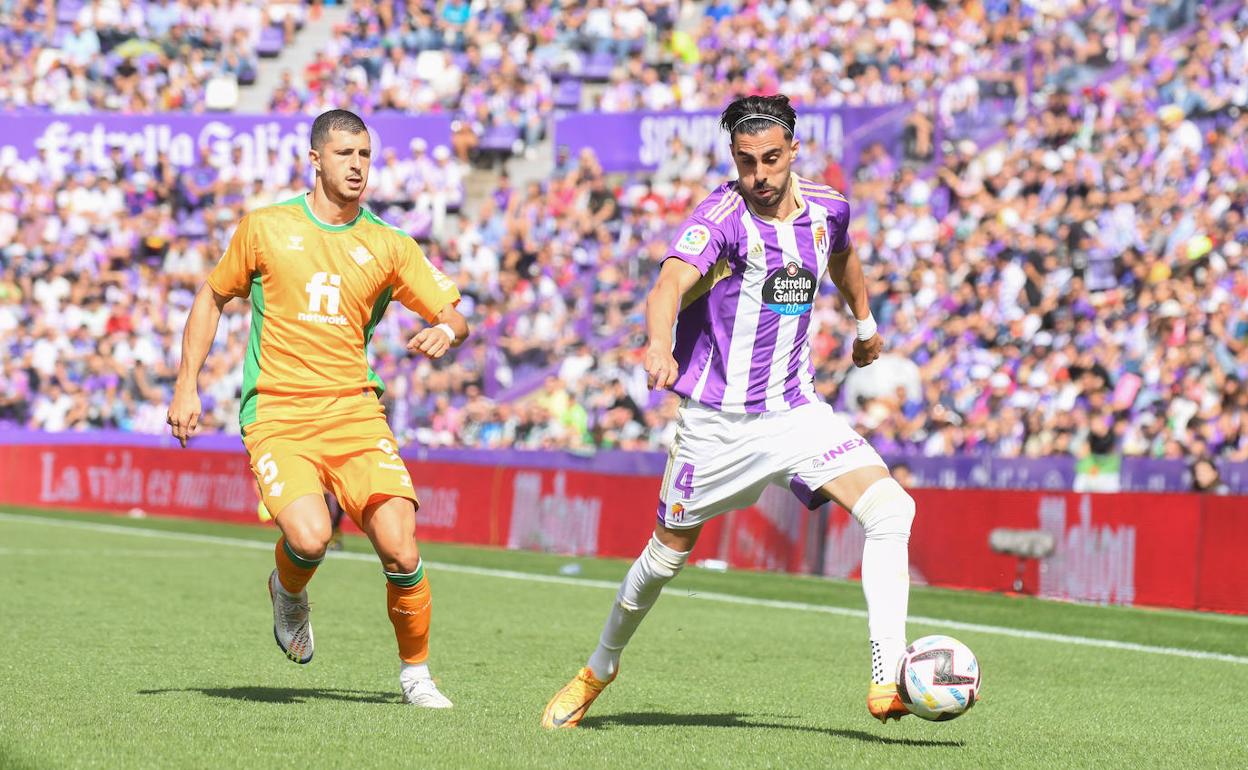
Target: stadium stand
[
  {"x": 136, "y": 56},
  {"x": 1060, "y": 274}
]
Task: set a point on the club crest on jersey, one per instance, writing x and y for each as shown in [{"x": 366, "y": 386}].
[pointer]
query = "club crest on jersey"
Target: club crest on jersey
[
  {"x": 789, "y": 290},
  {"x": 296, "y": 243},
  {"x": 360, "y": 255},
  {"x": 677, "y": 513},
  {"x": 693, "y": 241},
  {"x": 821, "y": 238}
]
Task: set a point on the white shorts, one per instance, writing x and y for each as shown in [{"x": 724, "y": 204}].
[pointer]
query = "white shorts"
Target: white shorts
[{"x": 722, "y": 462}]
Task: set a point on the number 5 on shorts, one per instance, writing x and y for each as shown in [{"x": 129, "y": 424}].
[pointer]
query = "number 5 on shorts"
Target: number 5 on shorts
[
  {"x": 267, "y": 468},
  {"x": 684, "y": 480}
]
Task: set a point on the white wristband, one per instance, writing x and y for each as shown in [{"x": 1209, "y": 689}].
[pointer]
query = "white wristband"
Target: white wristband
[
  {"x": 867, "y": 327},
  {"x": 450, "y": 333}
]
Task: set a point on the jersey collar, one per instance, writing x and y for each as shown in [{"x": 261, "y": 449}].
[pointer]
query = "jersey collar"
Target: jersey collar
[{"x": 303, "y": 200}]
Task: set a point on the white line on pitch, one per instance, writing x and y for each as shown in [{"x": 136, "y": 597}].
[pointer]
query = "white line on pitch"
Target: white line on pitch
[
  {"x": 1017, "y": 633},
  {"x": 127, "y": 553}
]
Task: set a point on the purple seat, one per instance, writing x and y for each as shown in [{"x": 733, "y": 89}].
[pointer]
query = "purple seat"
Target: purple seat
[
  {"x": 67, "y": 11},
  {"x": 568, "y": 94},
  {"x": 499, "y": 140},
  {"x": 599, "y": 67},
  {"x": 272, "y": 40}
]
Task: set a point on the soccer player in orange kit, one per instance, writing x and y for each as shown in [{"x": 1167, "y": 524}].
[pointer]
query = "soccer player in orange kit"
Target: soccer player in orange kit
[{"x": 320, "y": 271}]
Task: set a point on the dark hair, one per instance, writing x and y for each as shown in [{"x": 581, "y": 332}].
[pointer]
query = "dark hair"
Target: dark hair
[
  {"x": 334, "y": 120},
  {"x": 776, "y": 108}
]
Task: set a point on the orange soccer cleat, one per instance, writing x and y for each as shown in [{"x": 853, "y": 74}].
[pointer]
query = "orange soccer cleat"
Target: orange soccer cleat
[
  {"x": 571, "y": 702},
  {"x": 884, "y": 703}
]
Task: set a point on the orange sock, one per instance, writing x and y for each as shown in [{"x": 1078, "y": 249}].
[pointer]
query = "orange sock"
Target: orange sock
[
  {"x": 410, "y": 611},
  {"x": 293, "y": 570}
]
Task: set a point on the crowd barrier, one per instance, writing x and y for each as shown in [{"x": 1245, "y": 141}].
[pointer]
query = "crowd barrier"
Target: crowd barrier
[{"x": 1154, "y": 549}]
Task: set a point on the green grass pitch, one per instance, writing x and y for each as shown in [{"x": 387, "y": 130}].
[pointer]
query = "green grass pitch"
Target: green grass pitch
[{"x": 148, "y": 643}]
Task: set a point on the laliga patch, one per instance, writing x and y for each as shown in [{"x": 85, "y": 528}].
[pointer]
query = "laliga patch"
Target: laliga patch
[
  {"x": 693, "y": 241},
  {"x": 790, "y": 290}
]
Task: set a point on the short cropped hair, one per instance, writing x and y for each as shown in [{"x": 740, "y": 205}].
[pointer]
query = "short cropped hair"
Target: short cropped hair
[
  {"x": 776, "y": 110},
  {"x": 335, "y": 120}
]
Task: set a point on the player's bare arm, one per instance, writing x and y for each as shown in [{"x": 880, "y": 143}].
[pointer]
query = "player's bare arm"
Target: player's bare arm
[
  {"x": 450, "y": 331},
  {"x": 675, "y": 278},
  {"x": 197, "y": 337},
  {"x": 845, "y": 270}
]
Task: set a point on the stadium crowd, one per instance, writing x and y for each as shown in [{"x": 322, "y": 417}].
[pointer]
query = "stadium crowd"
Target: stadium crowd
[
  {"x": 500, "y": 66},
  {"x": 1077, "y": 287},
  {"x": 136, "y": 56}
]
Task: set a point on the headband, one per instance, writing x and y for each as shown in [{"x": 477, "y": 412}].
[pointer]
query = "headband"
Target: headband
[{"x": 761, "y": 116}]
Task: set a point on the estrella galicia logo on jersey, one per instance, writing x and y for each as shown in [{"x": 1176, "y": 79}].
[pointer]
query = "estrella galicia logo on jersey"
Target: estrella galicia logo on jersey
[
  {"x": 324, "y": 288},
  {"x": 693, "y": 241},
  {"x": 790, "y": 290}
]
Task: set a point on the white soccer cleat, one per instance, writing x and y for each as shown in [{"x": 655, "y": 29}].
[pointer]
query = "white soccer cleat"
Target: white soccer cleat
[
  {"x": 424, "y": 693},
  {"x": 292, "y": 628}
]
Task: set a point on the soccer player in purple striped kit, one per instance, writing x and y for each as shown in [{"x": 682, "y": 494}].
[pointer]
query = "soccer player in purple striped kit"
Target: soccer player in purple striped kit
[{"x": 738, "y": 283}]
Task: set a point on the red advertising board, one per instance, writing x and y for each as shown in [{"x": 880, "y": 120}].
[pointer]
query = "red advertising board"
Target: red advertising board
[
  {"x": 1163, "y": 550},
  {"x": 1222, "y": 582}
]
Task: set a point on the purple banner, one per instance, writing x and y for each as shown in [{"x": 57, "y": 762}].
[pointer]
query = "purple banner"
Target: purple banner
[
  {"x": 638, "y": 141},
  {"x": 61, "y": 137},
  {"x": 959, "y": 472},
  {"x": 987, "y": 472}
]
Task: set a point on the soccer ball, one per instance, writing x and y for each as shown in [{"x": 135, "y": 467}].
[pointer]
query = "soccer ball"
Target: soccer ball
[{"x": 938, "y": 678}]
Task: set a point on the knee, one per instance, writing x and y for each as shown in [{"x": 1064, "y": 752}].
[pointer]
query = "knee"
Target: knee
[
  {"x": 886, "y": 511},
  {"x": 309, "y": 538},
  {"x": 663, "y": 562},
  {"x": 402, "y": 561}
]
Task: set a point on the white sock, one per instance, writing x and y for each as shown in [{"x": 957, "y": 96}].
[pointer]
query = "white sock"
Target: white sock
[
  {"x": 886, "y": 511},
  {"x": 645, "y": 579},
  {"x": 411, "y": 672}
]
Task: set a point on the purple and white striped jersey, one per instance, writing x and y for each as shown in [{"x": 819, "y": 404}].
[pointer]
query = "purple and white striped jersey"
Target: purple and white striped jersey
[{"x": 741, "y": 335}]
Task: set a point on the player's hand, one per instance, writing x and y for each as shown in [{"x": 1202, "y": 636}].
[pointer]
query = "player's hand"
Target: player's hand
[
  {"x": 184, "y": 414},
  {"x": 661, "y": 368},
  {"x": 868, "y": 351},
  {"x": 431, "y": 341}
]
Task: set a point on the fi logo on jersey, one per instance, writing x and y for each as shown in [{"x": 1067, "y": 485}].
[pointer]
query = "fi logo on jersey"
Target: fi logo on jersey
[
  {"x": 324, "y": 290},
  {"x": 790, "y": 290}
]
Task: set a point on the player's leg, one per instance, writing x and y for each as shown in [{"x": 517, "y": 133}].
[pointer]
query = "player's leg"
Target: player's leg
[
  {"x": 304, "y": 523},
  {"x": 885, "y": 511},
  {"x": 706, "y": 475},
  {"x": 290, "y": 486},
  {"x": 373, "y": 486},
  {"x": 660, "y": 561},
  {"x": 390, "y": 524},
  {"x": 851, "y": 474}
]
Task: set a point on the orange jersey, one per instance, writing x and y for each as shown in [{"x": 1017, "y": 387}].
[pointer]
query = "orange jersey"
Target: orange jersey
[{"x": 317, "y": 293}]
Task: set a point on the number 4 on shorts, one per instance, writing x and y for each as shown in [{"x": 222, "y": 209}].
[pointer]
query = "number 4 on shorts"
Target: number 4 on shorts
[{"x": 684, "y": 480}]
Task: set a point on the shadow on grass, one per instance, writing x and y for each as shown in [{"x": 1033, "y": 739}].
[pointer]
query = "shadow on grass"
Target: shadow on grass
[
  {"x": 284, "y": 694},
  {"x": 660, "y": 719}
]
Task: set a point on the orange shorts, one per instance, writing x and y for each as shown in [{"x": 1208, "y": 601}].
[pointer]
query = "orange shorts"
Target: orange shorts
[{"x": 319, "y": 443}]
